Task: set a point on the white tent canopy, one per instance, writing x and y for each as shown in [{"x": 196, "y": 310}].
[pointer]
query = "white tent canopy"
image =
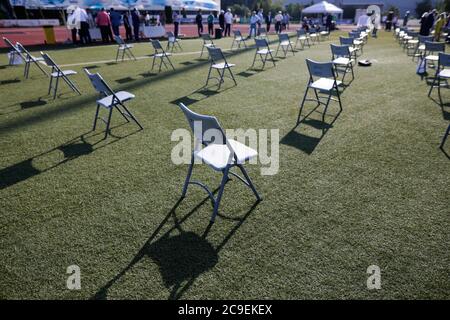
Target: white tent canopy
[{"x": 322, "y": 7}]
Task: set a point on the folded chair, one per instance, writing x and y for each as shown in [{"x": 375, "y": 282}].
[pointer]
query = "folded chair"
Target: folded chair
[
  {"x": 342, "y": 60},
  {"x": 161, "y": 55},
  {"x": 29, "y": 59},
  {"x": 57, "y": 73},
  {"x": 442, "y": 74},
  {"x": 110, "y": 100},
  {"x": 172, "y": 42},
  {"x": 263, "y": 51},
  {"x": 432, "y": 50},
  {"x": 221, "y": 154},
  {"x": 284, "y": 43},
  {"x": 303, "y": 39},
  {"x": 322, "y": 80},
  {"x": 238, "y": 39},
  {"x": 444, "y": 138},
  {"x": 124, "y": 48},
  {"x": 207, "y": 42},
  {"x": 220, "y": 64}
]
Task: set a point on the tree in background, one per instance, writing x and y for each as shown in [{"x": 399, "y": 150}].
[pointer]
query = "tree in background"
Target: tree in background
[
  {"x": 240, "y": 10},
  {"x": 443, "y": 5},
  {"x": 393, "y": 9},
  {"x": 423, "y": 6},
  {"x": 294, "y": 10}
]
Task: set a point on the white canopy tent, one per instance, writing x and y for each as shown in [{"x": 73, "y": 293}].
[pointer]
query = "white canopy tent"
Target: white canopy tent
[{"x": 323, "y": 8}]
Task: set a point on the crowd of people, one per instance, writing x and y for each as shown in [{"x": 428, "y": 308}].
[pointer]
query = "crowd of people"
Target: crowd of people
[{"x": 434, "y": 21}]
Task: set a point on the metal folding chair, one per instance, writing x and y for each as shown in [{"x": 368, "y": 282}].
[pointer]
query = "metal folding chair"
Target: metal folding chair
[
  {"x": 57, "y": 73},
  {"x": 420, "y": 47},
  {"x": 161, "y": 54},
  {"x": 284, "y": 43},
  {"x": 238, "y": 39},
  {"x": 350, "y": 42},
  {"x": 358, "y": 41},
  {"x": 432, "y": 50},
  {"x": 442, "y": 74},
  {"x": 410, "y": 42},
  {"x": 124, "y": 48},
  {"x": 219, "y": 153},
  {"x": 324, "y": 35},
  {"x": 14, "y": 52},
  {"x": 29, "y": 59},
  {"x": 262, "y": 33},
  {"x": 322, "y": 80},
  {"x": 219, "y": 63},
  {"x": 444, "y": 138},
  {"x": 303, "y": 38},
  {"x": 342, "y": 60},
  {"x": 263, "y": 51},
  {"x": 172, "y": 42},
  {"x": 207, "y": 42},
  {"x": 314, "y": 36},
  {"x": 110, "y": 100}
]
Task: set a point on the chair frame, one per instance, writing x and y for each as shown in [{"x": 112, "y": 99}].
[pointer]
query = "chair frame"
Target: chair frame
[
  {"x": 331, "y": 75},
  {"x": 303, "y": 42},
  {"x": 29, "y": 59},
  {"x": 284, "y": 37},
  {"x": 263, "y": 44},
  {"x": 444, "y": 61},
  {"x": 216, "y": 55},
  {"x": 207, "y": 42},
  {"x": 15, "y": 51},
  {"x": 171, "y": 44},
  {"x": 161, "y": 54},
  {"x": 209, "y": 122},
  {"x": 238, "y": 39},
  {"x": 124, "y": 47},
  {"x": 342, "y": 52},
  {"x": 105, "y": 90},
  {"x": 60, "y": 74},
  {"x": 444, "y": 138}
]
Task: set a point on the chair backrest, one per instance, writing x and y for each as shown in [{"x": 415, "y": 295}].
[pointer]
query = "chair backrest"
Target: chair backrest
[
  {"x": 206, "y": 37},
  {"x": 98, "y": 83},
  {"x": 49, "y": 61},
  {"x": 423, "y": 39},
  {"x": 283, "y": 37},
  {"x": 413, "y": 34},
  {"x": 262, "y": 31},
  {"x": 216, "y": 55},
  {"x": 354, "y": 35},
  {"x": 119, "y": 40},
  {"x": 340, "y": 51},
  {"x": 170, "y": 34},
  {"x": 204, "y": 127},
  {"x": 346, "y": 41},
  {"x": 261, "y": 43},
  {"x": 237, "y": 33},
  {"x": 320, "y": 69},
  {"x": 22, "y": 49},
  {"x": 9, "y": 44},
  {"x": 156, "y": 45},
  {"x": 434, "y": 46},
  {"x": 444, "y": 59},
  {"x": 301, "y": 32}
]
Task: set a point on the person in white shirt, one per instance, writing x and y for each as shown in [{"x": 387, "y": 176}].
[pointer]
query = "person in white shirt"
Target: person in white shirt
[
  {"x": 228, "y": 22},
  {"x": 254, "y": 19},
  {"x": 278, "y": 20},
  {"x": 85, "y": 36},
  {"x": 363, "y": 20}
]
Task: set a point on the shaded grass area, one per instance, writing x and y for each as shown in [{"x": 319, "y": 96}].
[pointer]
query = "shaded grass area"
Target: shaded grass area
[{"x": 372, "y": 188}]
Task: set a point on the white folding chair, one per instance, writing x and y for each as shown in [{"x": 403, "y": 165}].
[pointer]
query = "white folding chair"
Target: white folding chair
[
  {"x": 442, "y": 74},
  {"x": 263, "y": 51},
  {"x": 342, "y": 60},
  {"x": 160, "y": 54},
  {"x": 172, "y": 42},
  {"x": 207, "y": 42},
  {"x": 432, "y": 50},
  {"x": 420, "y": 47},
  {"x": 110, "y": 100},
  {"x": 350, "y": 42},
  {"x": 219, "y": 63},
  {"x": 29, "y": 59},
  {"x": 124, "y": 48},
  {"x": 302, "y": 38},
  {"x": 57, "y": 73},
  {"x": 284, "y": 43},
  {"x": 238, "y": 39},
  {"x": 358, "y": 41},
  {"x": 322, "y": 80},
  {"x": 219, "y": 153}
]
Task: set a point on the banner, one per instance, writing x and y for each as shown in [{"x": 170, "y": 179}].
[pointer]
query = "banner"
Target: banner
[{"x": 191, "y": 5}]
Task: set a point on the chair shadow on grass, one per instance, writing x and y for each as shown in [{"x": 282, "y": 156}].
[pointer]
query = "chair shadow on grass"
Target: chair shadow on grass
[
  {"x": 71, "y": 150},
  {"x": 306, "y": 143},
  {"x": 182, "y": 256},
  {"x": 198, "y": 95}
]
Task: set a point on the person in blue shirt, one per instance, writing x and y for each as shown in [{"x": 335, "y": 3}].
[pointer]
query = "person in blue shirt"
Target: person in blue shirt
[
  {"x": 116, "y": 20},
  {"x": 254, "y": 19}
]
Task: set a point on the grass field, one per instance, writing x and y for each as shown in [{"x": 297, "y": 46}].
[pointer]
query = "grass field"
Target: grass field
[{"x": 372, "y": 190}]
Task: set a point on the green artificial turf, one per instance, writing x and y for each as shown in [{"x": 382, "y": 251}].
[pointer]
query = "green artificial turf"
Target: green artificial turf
[{"x": 373, "y": 190}]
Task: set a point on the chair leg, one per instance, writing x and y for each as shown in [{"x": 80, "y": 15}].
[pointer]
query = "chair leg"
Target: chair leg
[
  {"x": 153, "y": 64},
  {"x": 209, "y": 75},
  {"x": 302, "y": 105},
  {"x": 219, "y": 195},
  {"x": 432, "y": 85},
  {"x": 188, "y": 177},
  {"x": 56, "y": 88},
  {"x": 132, "y": 116},
  {"x": 326, "y": 108},
  {"x": 170, "y": 62},
  {"x": 447, "y": 133},
  {"x": 117, "y": 54},
  {"x": 232, "y": 76},
  {"x": 272, "y": 58},
  {"x": 254, "y": 59},
  {"x": 439, "y": 92},
  {"x": 50, "y": 85},
  {"x": 96, "y": 117},
  {"x": 249, "y": 181},
  {"x": 108, "y": 123}
]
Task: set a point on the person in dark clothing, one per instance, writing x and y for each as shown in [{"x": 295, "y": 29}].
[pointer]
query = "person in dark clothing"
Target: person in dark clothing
[
  {"x": 389, "y": 19},
  {"x": 329, "y": 22},
  {"x": 127, "y": 25},
  {"x": 116, "y": 19},
  {"x": 268, "y": 21},
  {"x": 211, "y": 23},
  {"x": 222, "y": 20},
  {"x": 430, "y": 21},
  {"x": 406, "y": 19},
  {"x": 176, "y": 23},
  {"x": 199, "y": 21},
  {"x": 136, "y": 21}
]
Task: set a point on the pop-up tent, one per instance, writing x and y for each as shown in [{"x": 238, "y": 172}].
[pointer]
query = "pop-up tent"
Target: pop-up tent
[{"x": 322, "y": 8}]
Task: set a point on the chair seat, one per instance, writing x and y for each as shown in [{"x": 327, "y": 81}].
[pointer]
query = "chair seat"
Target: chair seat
[
  {"x": 209, "y": 45},
  {"x": 285, "y": 43},
  {"x": 421, "y": 47},
  {"x": 217, "y": 155},
  {"x": 324, "y": 84},
  {"x": 342, "y": 61},
  {"x": 222, "y": 65},
  {"x": 352, "y": 49},
  {"x": 65, "y": 72},
  {"x": 445, "y": 74},
  {"x": 432, "y": 58},
  {"x": 239, "y": 39},
  {"x": 358, "y": 42},
  {"x": 121, "y": 95},
  {"x": 125, "y": 46},
  {"x": 414, "y": 41},
  {"x": 324, "y": 33},
  {"x": 313, "y": 35},
  {"x": 159, "y": 55},
  {"x": 302, "y": 38},
  {"x": 32, "y": 58},
  {"x": 264, "y": 51},
  {"x": 172, "y": 39}
]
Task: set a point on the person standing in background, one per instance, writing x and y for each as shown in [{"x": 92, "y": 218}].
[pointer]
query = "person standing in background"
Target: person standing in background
[
  {"x": 104, "y": 23},
  {"x": 268, "y": 21},
  {"x": 176, "y": 23},
  {"x": 395, "y": 22},
  {"x": 211, "y": 23},
  {"x": 222, "y": 21},
  {"x": 329, "y": 22},
  {"x": 389, "y": 19},
  {"x": 438, "y": 27},
  {"x": 406, "y": 19},
  {"x": 228, "y": 22},
  {"x": 136, "y": 22},
  {"x": 278, "y": 20},
  {"x": 253, "y": 22},
  {"x": 430, "y": 21},
  {"x": 199, "y": 21},
  {"x": 162, "y": 18},
  {"x": 85, "y": 37},
  {"x": 127, "y": 25},
  {"x": 116, "y": 20},
  {"x": 260, "y": 19}
]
